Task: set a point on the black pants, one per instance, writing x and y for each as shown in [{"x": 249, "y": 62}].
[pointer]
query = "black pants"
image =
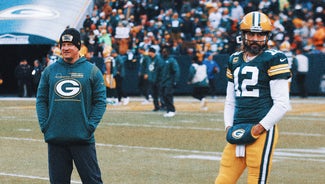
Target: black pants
[
  {"x": 61, "y": 158},
  {"x": 24, "y": 88},
  {"x": 301, "y": 81},
  {"x": 213, "y": 86},
  {"x": 119, "y": 88},
  {"x": 168, "y": 97},
  {"x": 144, "y": 87},
  {"x": 155, "y": 93},
  {"x": 200, "y": 92}
]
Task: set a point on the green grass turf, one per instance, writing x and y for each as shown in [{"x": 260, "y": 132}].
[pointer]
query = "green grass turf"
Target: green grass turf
[{"x": 137, "y": 146}]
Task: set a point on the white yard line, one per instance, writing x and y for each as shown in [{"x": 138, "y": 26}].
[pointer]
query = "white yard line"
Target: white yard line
[
  {"x": 119, "y": 146},
  {"x": 299, "y": 154},
  {"x": 198, "y": 128},
  {"x": 29, "y": 177}
]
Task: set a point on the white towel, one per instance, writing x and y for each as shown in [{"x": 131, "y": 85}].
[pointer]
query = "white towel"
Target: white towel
[{"x": 240, "y": 150}]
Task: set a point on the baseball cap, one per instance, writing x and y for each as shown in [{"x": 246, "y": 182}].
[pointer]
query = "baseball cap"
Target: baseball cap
[
  {"x": 151, "y": 49},
  {"x": 71, "y": 35}
]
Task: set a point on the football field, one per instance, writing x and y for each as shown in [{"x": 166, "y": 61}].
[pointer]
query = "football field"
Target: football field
[{"x": 138, "y": 146}]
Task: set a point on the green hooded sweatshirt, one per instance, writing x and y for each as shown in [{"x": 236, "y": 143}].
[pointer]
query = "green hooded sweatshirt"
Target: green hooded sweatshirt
[{"x": 71, "y": 101}]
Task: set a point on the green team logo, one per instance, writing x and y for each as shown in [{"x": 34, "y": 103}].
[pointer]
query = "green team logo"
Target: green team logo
[
  {"x": 237, "y": 134},
  {"x": 67, "y": 88}
]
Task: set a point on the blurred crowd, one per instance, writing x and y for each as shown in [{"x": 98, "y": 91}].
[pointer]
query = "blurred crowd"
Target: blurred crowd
[{"x": 196, "y": 27}]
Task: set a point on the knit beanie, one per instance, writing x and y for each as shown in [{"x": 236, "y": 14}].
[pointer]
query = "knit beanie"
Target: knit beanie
[{"x": 71, "y": 35}]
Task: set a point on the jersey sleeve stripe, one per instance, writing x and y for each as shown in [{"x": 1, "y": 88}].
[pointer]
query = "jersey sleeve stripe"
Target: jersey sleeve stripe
[
  {"x": 278, "y": 69},
  {"x": 229, "y": 74}
]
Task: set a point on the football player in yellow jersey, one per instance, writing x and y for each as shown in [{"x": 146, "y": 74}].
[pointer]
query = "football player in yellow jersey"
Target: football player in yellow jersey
[{"x": 257, "y": 98}]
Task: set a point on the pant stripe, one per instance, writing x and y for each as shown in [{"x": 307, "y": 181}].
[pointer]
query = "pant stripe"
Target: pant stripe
[{"x": 266, "y": 156}]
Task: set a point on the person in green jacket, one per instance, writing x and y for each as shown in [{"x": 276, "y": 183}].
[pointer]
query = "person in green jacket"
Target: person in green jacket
[
  {"x": 154, "y": 77},
  {"x": 144, "y": 86},
  {"x": 70, "y": 104},
  {"x": 198, "y": 79},
  {"x": 169, "y": 78},
  {"x": 119, "y": 76}
]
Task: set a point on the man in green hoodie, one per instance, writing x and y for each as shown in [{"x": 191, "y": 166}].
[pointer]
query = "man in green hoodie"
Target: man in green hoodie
[{"x": 70, "y": 104}]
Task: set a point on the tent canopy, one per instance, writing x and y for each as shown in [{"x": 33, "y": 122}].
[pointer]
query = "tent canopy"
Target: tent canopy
[{"x": 39, "y": 21}]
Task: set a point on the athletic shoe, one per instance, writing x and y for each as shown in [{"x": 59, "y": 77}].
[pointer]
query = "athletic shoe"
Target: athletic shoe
[
  {"x": 145, "y": 102},
  {"x": 169, "y": 114},
  {"x": 203, "y": 102},
  {"x": 126, "y": 101},
  {"x": 204, "y": 108}
]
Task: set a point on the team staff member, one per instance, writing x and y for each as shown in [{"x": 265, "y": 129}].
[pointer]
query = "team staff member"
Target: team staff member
[
  {"x": 119, "y": 76},
  {"x": 144, "y": 85},
  {"x": 169, "y": 78},
  {"x": 155, "y": 69},
  {"x": 257, "y": 98},
  {"x": 70, "y": 104}
]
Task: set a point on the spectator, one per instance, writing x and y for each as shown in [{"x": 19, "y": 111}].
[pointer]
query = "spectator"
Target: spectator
[
  {"x": 23, "y": 74},
  {"x": 188, "y": 28},
  {"x": 212, "y": 69},
  {"x": 128, "y": 9},
  {"x": 302, "y": 63},
  {"x": 53, "y": 55},
  {"x": 122, "y": 37},
  {"x": 169, "y": 78},
  {"x": 319, "y": 36},
  {"x": 175, "y": 25},
  {"x": 265, "y": 6},
  {"x": 237, "y": 11},
  {"x": 110, "y": 82},
  {"x": 36, "y": 75},
  {"x": 288, "y": 26},
  {"x": 114, "y": 19},
  {"x": 271, "y": 45},
  {"x": 307, "y": 31},
  {"x": 105, "y": 38},
  {"x": 225, "y": 22},
  {"x": 146, "y": 43},
  {"x": 215, "y": 18},
  {"x": 285, "y": 47},
  {"x": 83, "y": 49},
  {"x": 175, "y": 49},
  {"x": 278, "y": 36},
  {"x": 87, "y": 22},
  {"x": 250, "y": 7}
]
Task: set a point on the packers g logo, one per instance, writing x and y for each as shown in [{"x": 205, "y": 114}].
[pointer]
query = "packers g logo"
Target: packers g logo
[
  {"x": 68, "y": 88},
  {"x": 237, "y": 134},
  {"x": 152, "y": 67}
]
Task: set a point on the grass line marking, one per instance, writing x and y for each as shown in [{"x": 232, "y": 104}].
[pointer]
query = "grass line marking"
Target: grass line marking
[
  {"x": 199, "y": 128},
  {"x": 29, "y": 177}
]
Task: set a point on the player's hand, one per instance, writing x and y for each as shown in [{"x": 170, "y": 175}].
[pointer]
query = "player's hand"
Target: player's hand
[
  {"x": 227, "y": 128},
  {"x": 257, "y": 130}
]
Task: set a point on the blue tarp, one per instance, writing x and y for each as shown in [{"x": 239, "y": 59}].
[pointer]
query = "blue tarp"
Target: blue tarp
[{"x": 39, "y": 21}]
